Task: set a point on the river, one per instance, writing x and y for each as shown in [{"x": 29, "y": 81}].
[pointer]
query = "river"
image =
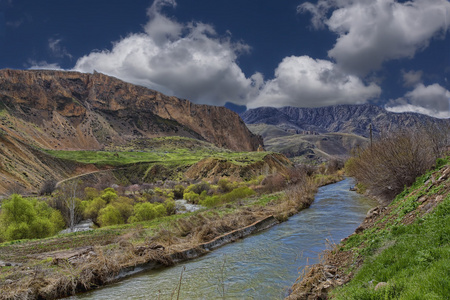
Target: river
[{"x": 262, "y": 266}]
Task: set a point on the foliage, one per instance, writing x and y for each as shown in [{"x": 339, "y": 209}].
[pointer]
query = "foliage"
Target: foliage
[
  {"x": 238, "y": 193},
  {"x": 146, "y": 212},
  {"x": 110, "y": 215},
  {"x": 25, "y": 219},
  {"x": 93, "y": 207}
]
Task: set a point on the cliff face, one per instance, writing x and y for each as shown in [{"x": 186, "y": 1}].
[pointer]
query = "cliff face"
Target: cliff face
[
  {"x": 71, "y": 110},
  {"x": 353, "y": 119}
]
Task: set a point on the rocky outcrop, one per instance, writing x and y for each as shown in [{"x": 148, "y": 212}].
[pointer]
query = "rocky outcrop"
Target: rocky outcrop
[
  {"x": 354, "y": 119},
  {"x": 71, "y": 110}
]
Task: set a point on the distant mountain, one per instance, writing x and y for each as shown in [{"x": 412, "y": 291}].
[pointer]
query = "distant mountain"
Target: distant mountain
[
  {"x": 318, "y": 134},
  {"x": 71, "y": 110},
  {"x": 354, "y": 119}
]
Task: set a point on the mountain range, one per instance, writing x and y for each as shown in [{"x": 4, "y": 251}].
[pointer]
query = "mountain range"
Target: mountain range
[{"x": 326, "y": 132}]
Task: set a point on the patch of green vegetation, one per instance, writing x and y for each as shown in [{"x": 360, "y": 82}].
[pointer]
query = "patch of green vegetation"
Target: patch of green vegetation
[
  {"x": 167, "y": 151},
  {"x": 412, "y": 259},
  {"x": 416, "y": 266}
]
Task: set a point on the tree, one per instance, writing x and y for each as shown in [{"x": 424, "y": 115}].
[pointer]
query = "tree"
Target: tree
[{"x": 69, "y": 196}]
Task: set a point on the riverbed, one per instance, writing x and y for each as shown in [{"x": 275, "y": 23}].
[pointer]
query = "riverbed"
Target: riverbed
[{"x": 262, "y": 266}]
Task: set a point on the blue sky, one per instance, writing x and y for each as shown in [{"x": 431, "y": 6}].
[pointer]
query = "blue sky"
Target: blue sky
[{"x": 249, "y": 52}]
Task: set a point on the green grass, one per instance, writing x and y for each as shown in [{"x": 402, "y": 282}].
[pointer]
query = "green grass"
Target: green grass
[
  {"x": 181, "y": 156},
  {"x": 416, "y": 266},
  {"x": 413, "y": 259}
]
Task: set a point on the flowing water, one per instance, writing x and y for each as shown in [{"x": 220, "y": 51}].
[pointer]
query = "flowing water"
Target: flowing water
[{"x": 262, "y": 266}]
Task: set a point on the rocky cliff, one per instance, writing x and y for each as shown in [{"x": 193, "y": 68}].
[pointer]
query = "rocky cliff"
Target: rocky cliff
[
  {"x": 354, "y": 119},
  {"x": 71, "y": 110}
]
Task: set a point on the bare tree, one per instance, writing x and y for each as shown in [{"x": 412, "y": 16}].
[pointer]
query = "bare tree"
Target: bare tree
[{"x": 70, "y": 192}]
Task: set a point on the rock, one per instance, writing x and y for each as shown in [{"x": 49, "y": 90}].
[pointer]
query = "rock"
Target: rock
[
  {"x": 373, "y": 212},
  {"x": 380, "y": 285},
  {"x": 8, "y": 281}
]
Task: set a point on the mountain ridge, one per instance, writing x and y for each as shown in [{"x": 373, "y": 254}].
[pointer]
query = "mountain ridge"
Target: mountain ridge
[
  {"x": 354, "y": 119},
  {"x": 71, "y": 110}
]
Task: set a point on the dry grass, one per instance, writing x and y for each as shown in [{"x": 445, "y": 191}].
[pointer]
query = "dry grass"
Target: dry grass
[{"x": 139, "y": 245}]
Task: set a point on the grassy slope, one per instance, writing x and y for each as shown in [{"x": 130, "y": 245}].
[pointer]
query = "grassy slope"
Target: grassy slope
[
  {"x": 170, "y": 151},
  {"x": 405, "y": 248}
]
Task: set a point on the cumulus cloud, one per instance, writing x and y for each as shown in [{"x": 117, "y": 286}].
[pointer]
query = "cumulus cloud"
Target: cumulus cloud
[
  {"x": 306, "y": 82},
  {"x": 186, "y": 60},
  {"x": 432, "y": 100},
  {"x": 373, "y": 31}
]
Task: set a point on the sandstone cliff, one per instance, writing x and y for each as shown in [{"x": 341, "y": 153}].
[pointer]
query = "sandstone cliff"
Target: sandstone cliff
[{"x": 71, "y": 110}]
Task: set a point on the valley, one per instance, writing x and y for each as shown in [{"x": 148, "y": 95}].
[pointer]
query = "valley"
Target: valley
[{"x": 89, "y": 147}]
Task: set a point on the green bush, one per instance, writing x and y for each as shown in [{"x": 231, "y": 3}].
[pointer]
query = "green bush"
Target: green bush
[
  {"x": 25, "y": 219},
  {"x": 146, "y": 212},
  {"x": 124, "y": 205},
  {"x": 109, "y": 195},
  {"x": 192, "y": 197},
  {"x": 93, "y": 207},
  {"x": 238, "y": 193},
  {"x": 110, "y": 215}
]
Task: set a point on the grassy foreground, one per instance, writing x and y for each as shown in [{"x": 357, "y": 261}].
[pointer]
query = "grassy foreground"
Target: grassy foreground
[{"x": 401, "y": 251}]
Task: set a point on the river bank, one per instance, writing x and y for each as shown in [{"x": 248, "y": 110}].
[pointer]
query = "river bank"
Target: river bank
[
  {"x": 384, "y": 256},
  {"x": 261, "y": 266},
  {"x": 95, "y": 258}
]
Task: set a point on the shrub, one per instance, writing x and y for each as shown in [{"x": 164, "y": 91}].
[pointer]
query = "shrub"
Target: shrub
[
  {"x": 93, "y": 207},
  {"x": 109, "y": 194},
  {"x": 125, "y": 206},
  {"x": 48, "y": 187},
  {"x": 191, "y": 197},
  {"x": 147, "y": 211},
  {"x": 198, "y": 188},
  {"x": 178, "y": 191},
  {"x": 110, "y": 215},
  {"x": 90, "y": 193},
  {"x": 23, "y": 219},
  {"x": 393, "y": 162}
]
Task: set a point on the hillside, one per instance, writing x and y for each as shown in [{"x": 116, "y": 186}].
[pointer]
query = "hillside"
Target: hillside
[
  {"x": 319, "y": 134},
  {"x": 354, "y": 119},
  {"x": 70, "y": 110},
  {"x": 400, "y": 251},
  {"x": 307, "y": 147}
]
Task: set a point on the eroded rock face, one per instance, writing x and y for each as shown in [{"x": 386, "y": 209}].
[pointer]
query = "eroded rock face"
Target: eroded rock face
[{"x": 71, "y": 110}]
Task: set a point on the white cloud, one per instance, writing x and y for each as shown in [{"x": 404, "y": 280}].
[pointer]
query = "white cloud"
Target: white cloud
[
  {"x": 433, "y": 100},
  {"x": 57, "y": 50},
  {"x": 306, "y": 82},
  {"x": 185, "y": 60},
  {"x": 373, "y": 31},
  {"x": 411, "y": 78},
  {"x": 43, "y": 65}
]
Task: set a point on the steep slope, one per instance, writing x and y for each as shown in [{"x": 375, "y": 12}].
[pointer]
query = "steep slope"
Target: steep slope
[
  {"x": 23, "y": 168},
  {"x": 70, "y": 110},
  {"x": 354, "y": 119}
]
